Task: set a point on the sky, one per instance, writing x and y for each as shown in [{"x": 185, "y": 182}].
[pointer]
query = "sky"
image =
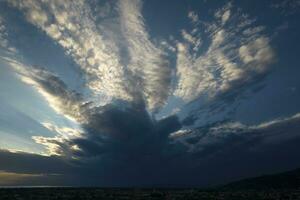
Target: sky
[{"x": 133, "y": 93}]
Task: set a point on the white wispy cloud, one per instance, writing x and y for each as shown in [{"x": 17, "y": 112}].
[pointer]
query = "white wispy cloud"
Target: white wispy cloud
[
  {"x": 147, "y": 62},
  {"x": 146, "y": 73},
  {"x": 224, "y": 13},
  {"x": 219, "y": 69},
  {"x": 65, "y": 132},
  {"x": 193, "y": 16},
  {"x": 287, "y": 7},
  {"x": 189, "y": 38},
  {"x": 4, "y": 42},
  {"x": 55, "y": 92},
  {"x": 3, "y": 34},
  {"x": 52, "y": 144},
  {"x": 60, "y": 144},
  {"x": 72, "y": 26}
]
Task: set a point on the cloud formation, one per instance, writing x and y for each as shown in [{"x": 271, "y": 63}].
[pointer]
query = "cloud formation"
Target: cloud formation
[
  {"x": 71, "y": 25},
  {"x": 4, "y": 43},
  {"x": 54, "y": 90},
  {"x": 130, "y": 77},
  {"x": 185, "y": 158},
  {"x": 287, "y": 7},
  {"x": 271, "y": 132},
  {"x": 129, "y": 66},
  {"x": 105, "y": 129},
  {"x": 144, "y": 74},
  {"x": 147, "y": 62},
  {"x": 218, "y": 69}
]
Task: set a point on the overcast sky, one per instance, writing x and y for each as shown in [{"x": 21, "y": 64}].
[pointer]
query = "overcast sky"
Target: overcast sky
[{"x": 148, "y": 93}]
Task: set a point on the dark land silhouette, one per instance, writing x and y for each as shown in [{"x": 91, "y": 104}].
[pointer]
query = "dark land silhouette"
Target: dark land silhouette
[{"x": 276, "y": 186}]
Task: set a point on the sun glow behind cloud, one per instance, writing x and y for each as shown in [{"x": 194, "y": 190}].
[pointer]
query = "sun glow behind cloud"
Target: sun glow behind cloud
[{"x": 8, "y": 178}]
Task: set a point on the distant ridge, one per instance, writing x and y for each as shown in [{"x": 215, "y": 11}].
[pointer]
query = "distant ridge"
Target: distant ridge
[{"x": 285, "y": 180}]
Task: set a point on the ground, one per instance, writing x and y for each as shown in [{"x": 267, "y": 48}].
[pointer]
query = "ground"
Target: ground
[{"x": 176, "y": 194}]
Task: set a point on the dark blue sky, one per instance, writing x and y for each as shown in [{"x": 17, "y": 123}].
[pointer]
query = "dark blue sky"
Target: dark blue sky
[{"x": 145, "y": 93}]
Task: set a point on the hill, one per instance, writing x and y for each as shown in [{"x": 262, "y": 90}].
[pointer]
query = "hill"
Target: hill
[{"x": 285, "y": 180}]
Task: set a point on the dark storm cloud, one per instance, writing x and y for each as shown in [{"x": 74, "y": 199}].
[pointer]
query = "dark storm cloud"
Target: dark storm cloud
[
  {"x": 19, "y": 168},
  {"x": 107, "y": 128},
  {"x": 123, "y": 145},
  {"x": 125, "y": 132},
  {"x": 229, "y": 134},
  {"x": 215, "y": 153},
  {"x": 19, "y": 162},
  {"x": 223, "y": 152},
  {"x": 120, "y": 126}
]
